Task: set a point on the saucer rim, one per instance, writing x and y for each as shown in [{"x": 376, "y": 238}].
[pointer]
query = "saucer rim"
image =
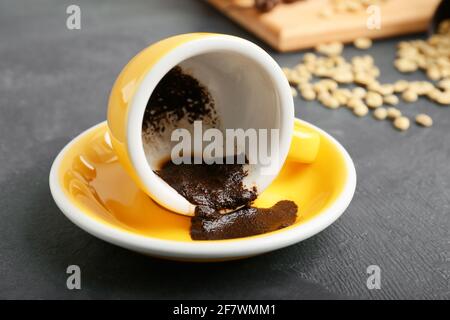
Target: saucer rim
[{"x": 221, "y": 249}]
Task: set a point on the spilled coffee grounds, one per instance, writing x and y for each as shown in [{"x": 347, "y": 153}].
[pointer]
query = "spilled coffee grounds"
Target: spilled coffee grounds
[
  {"x": 213, "y": 188},
  {"x": 244, "y": 222}
]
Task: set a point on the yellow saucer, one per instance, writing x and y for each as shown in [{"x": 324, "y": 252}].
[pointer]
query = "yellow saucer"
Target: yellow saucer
[{"x": 92, "y": 190}]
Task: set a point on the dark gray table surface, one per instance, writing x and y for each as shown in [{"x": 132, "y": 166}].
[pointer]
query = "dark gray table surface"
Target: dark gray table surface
[{"x": 54, "y": 83}]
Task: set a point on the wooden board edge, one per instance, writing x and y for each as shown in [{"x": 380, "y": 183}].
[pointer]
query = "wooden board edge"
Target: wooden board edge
[{"x": 268, "y": 33}]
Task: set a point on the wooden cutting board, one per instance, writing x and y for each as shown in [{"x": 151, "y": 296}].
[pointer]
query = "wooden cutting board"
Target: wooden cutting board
[{"x": 299, "y": 25}]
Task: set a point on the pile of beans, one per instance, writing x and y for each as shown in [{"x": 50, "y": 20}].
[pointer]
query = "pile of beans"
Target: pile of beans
[{"x": 335, "y": 74}]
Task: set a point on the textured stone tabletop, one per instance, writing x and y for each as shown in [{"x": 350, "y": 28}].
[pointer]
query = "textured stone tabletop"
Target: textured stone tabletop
[{"x": 54, "y": 83}]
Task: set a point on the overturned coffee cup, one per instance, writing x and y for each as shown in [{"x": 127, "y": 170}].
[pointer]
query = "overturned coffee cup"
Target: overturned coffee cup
[{"x": 204, "y": 98}]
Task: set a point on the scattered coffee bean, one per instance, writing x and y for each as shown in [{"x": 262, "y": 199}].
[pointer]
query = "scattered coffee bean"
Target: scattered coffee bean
[
  {"x": 330, "y": 49},
  {"x": 308, "y": 94},
  {"x": 410, "y": 95},
  {"x": 443, "y": 98},
  {"x": 401, "y": 123},
  {"x": 444, "y": 84},
  {"x": 424, "y": 120},
  {"x": 400, "y": 86},
  {"x": 374, "y": 100},
  {"x": 331, "y": 103},
  {"x": 361, "y": 110},
  {"x": 294, "y": 92},
  {"x": 359, "y": 92},
  {"x": 362, "y": 43},
  {"x": 391, "y": 99},
  {"x": 380, "y": 113},
  {"x": 393, "y": 113},
  {"x": 405, "y": 65}
]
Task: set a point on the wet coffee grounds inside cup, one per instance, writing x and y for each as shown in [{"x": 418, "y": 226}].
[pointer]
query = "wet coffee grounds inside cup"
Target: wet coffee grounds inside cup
[
  {"x": 177, "y": 96},
  {"x": 215, "y": 187}
]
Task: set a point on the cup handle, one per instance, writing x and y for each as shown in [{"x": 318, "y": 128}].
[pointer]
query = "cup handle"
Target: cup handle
[{"x": 305, "y": 144}]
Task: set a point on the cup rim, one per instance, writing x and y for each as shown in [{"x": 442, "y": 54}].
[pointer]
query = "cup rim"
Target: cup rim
[
  {"x": 221, "y": 249},
  {"x": 160, "y": 191}
]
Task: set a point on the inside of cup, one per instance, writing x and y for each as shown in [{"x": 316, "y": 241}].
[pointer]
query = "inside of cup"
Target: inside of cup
[{"x": 240, "y": 92}]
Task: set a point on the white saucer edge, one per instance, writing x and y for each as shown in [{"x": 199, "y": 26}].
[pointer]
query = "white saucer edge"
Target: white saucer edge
[{"x": 227, "y": 249}]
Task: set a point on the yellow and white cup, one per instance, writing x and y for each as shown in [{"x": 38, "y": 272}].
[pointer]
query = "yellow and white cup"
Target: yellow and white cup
[{"x": 249, "y": 90}]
